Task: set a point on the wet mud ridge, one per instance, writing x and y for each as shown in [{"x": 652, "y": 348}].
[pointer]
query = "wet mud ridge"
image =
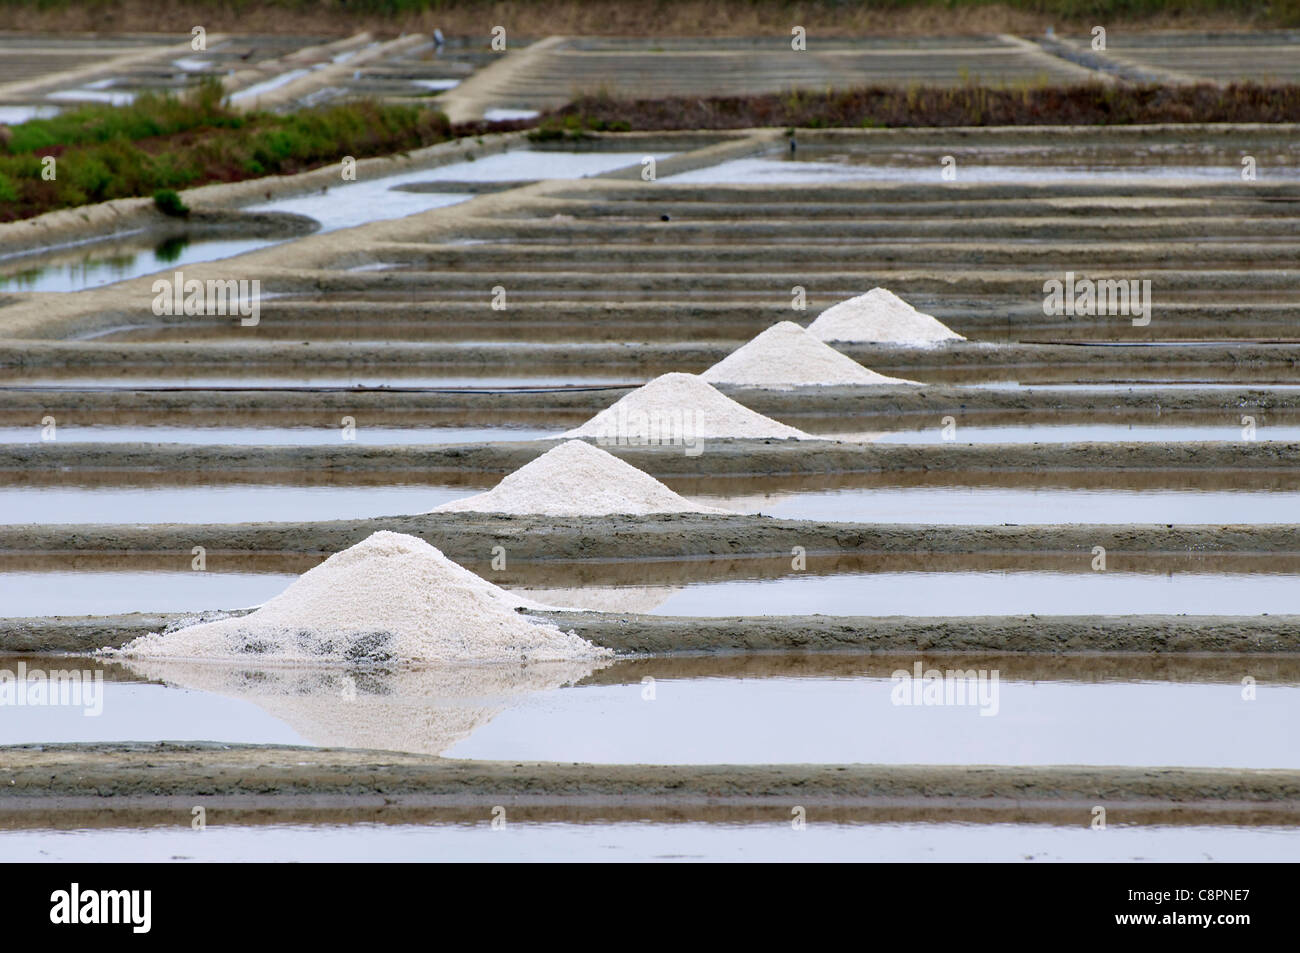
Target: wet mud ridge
[
  {"x": 631, "y": 633},
  {"x": 54, "y": 778}
]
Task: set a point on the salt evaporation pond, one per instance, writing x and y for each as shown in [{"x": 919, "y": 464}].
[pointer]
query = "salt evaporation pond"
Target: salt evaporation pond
[
  {"x": 775, "y": 841},
  {"x": 718, "y": 719},
  {"x": 363, "y": 435},
  {"x": 355, "y": 203},
  {"x": 236, "y": 503},
  {"x": 926, "y": 171},
  {"x": 871, "y": 594},
  {"x": 1230, "y": 429},
  {"x": 954, "y": 505}
]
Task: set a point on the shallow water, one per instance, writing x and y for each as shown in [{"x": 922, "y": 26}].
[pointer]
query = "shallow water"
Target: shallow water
[
  {"x": 1231, "y": 429},
  {"x": 777, "y": 841},
  {"x": 355, "y": 203},
  {"x": 300, "y": 378},
  {"x": 95, "y": 593},
  {"x": 1125, "y": 386},
  {"x": 97, "y": 268},
  {"x": 16, "y": 115},
  {"x": 927, "y": 170},
  {"x": 953, "y": 505},
  {"x": 217, "y": 504},
  {"x": 991, "y": 505},
  {"x": 967, "y": 593},
  {"x": 280, "y": 436},
  {"x": 853, "y": 720},
  {"x": 909, "y": 593},
  {"x": 650, "y": 712}
]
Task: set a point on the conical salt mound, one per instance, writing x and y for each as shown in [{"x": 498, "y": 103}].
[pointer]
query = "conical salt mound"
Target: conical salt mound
[
  {"x": 786, "y": 356},
  {"x": 577, "y": 479},
  {"x": 679, "y": 409},
  {"x": 880, "y": 317},
  {"x": 391, "y": 599}
]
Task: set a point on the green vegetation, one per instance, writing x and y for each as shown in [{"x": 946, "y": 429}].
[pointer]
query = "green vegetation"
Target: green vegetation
[
  {"x": 170, "y": 143},
  {"x": 575, "y": 126},
  {"x": 169, "y": 203}
]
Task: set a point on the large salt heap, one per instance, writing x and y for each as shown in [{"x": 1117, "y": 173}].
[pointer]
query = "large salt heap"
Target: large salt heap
[
  {"x": 577, "y": 479},
  {"x": 880, "y": 317},
  {"x": 679, "y": 408},
  {"x": 390, "y": 599},
  {"x": 786, "y": 356}
]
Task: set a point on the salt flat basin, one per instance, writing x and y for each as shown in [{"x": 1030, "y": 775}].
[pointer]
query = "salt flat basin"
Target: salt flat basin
[
  {"x": 910, "y": 593},
  {"x": 394, "y": 378},
  {"x": 992, "y": 505},
  {"x": 970, "y": 593},
  {"x": 218, "y": 504},
  {"x": 640, "y": 841},
  {"x": 81, "y": 593},
  {"x": 824, "y": 171},
  {"x": 656, "y": 711},
  {"x": 359, "y": 433},
  {"x": 1230, "y": 429},
  {"x": 1138, "y": 386},
  {"x": 348, "y": 204},
  {"x": 843, "y": 720},
  {"x": 952, "y": 505}
]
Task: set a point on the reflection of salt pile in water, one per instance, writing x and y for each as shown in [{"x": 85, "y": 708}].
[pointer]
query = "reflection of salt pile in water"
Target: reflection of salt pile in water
[
  {"x": 577, "y": 479},
  {"x": 679, "y": 409},
  {"x": 786, "y": 356},
  {"x": 390, "y": 599},
  {"x": 422, "y": 710},
  {"x": 880, "y": 317}
]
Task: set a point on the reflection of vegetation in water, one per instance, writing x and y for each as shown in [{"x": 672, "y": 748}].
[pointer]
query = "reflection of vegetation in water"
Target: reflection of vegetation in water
[
  {"x": 22, "y": 279},
  {"x": 81, "y": 273},
  {"x": 170, "y": 249}
]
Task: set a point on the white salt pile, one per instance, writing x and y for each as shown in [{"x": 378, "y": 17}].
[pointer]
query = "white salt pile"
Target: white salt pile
[
  {"x": 786, "y": 356},
  {"x": 881, "y": 317},
  {"x": 390, "y": 599},
  {"x": 577, "y": 479},
  {"x": 679, "y": 409}
]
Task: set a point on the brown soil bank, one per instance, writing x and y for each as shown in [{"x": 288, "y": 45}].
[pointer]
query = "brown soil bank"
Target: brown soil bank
[
  {"x": 718, "y": 457},
  {"x": 632, "y": 633},
  {"x": 38, "y": 777}
]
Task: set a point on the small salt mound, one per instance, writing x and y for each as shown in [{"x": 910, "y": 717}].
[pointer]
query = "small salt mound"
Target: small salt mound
[
  {"x": 390, "y": 599},
  {"x": 880, "y": 317},
  {"x": 680, "y": 408},
  {"x": 577, "y": 479},
  {"x": 786, "y": 356}
]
